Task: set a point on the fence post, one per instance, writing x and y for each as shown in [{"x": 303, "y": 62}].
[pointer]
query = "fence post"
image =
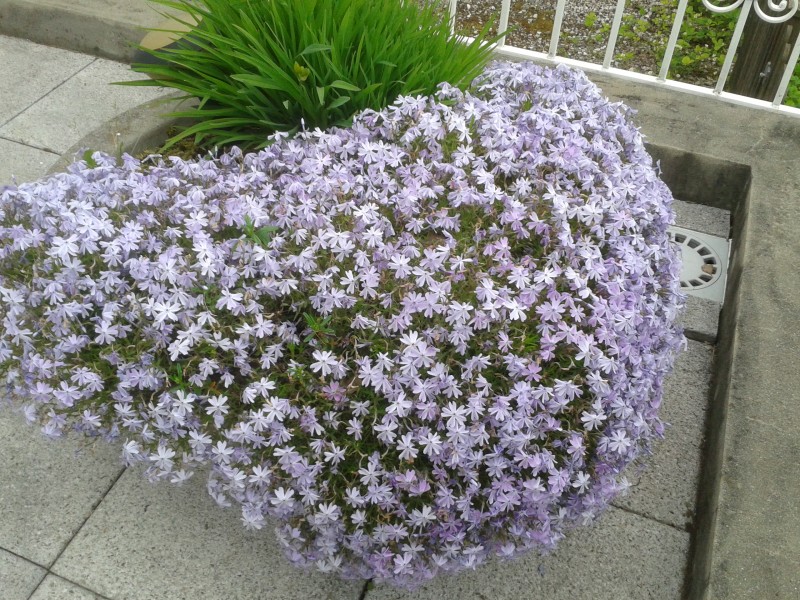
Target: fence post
[{"x": 762, "y": 56}]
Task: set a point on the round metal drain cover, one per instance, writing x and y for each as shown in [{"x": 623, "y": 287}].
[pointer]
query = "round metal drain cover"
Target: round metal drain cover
[{"x": 701, "y": 265}]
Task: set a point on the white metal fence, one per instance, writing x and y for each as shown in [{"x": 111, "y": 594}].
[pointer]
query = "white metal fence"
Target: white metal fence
[{"x": 785, "y": 10}]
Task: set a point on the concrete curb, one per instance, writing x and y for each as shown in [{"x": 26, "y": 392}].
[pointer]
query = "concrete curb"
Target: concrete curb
[
  {"x": 107, "y": 29},
  {"x": 144, "y": 126}
]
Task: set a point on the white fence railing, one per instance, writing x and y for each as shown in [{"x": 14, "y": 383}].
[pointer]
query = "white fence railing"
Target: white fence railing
[{"x": 783, "y": 9}]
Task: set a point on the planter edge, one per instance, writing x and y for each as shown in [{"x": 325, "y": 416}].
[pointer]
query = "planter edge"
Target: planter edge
[{"x": 141, "y": 127}]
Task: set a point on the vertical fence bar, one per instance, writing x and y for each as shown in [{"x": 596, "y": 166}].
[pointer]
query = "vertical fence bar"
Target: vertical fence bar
[
  {"x": 556, "y": 28},
  {"x": 787, "y": 74},
  {"x": 453, "y": 4},
  {"x": 503, "y": 25},
  {"x": 673, "y": 40},
  {"x": 612, "y": 38},
  {"x": 737, "y": 36}
]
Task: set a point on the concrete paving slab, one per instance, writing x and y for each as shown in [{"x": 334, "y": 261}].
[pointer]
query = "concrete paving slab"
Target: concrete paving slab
[
  {"x": 666, "y": 488},
  {"x": 48, "y": 487},
  {"x": 22, "y": 162},
  {"x": 29, "y": 71},
  {"x": 54, "y": 124},
  {"x": 162, "y": 542},
  {"x": 700, "y": 319},
  {"x": 18, "y": 577},
  {"x": 56, "y": 588},
  {"x": 622, "y": 556},
  {"x": 686, "y": 391},
  {"x": 700, "y": 217}
]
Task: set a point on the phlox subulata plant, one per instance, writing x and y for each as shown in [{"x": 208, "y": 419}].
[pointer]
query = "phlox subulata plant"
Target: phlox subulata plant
[{"x": 433, "y": 337}]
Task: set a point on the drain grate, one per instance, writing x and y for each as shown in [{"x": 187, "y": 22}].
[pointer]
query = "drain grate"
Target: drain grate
[{"x": 705, "y": 263}]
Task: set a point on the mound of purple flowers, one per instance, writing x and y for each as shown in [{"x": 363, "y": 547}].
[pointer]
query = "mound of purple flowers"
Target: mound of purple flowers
[{"x": 434, "y": 337}]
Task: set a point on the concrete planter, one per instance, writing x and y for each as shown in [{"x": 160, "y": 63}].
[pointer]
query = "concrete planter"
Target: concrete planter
[{"x": 144, "y": 126}]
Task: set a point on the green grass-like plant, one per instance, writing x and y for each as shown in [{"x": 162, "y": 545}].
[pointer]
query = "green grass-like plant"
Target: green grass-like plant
[{"x": 262, "y": 66}]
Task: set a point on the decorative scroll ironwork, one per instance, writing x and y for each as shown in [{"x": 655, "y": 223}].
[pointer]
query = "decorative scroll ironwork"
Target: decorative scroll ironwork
[{"x": 790, "y": 6}]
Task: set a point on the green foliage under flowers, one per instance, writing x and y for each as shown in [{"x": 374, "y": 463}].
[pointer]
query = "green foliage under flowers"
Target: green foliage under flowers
[{"x": 261, "y": 66}]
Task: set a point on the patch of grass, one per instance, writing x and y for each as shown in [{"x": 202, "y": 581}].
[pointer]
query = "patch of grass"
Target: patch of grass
[
  {"x": 793, "y": 92},
  {"x": 701, "y": 46}
]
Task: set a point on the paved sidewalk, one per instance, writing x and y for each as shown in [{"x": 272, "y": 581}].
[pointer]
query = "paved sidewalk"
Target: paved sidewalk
[
  {"x": 74, "y": 524},
  {"x": 51, "y": 98}
]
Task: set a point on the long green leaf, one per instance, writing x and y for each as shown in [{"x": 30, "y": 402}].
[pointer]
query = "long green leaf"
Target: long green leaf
[
  {"x": 314, "y": 48},
  {"x": 338, "y": 102},
  {"x": 343, "y": 85},
  {"x": 258, "y": 81}
]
